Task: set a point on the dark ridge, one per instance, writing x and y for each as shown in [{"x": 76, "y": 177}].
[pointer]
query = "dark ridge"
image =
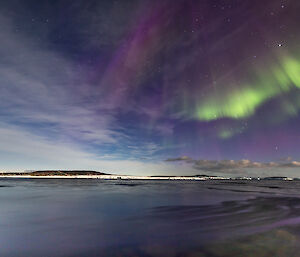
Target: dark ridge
[
  {"x": 191, "y": 176},
  {"x": 274, "y": 178},
  {"x": 205, "y": 176},
  {"x": 57, "y": 173},
  {"x": 13, "y": 173}
]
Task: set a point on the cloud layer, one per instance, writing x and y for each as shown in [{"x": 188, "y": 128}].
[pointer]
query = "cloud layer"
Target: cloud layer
[{"x": 228, "y": 166}]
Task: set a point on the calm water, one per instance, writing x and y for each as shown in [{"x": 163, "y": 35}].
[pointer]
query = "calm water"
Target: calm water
[{"x": 78, "y": 217}]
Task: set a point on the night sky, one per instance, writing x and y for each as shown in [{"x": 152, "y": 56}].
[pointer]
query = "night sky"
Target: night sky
[{"x": 151, "y": 87}]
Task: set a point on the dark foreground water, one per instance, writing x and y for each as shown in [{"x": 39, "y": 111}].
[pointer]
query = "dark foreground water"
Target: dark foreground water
[{"x": 81, "y": 217}]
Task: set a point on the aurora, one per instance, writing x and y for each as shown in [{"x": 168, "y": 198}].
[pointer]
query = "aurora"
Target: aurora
[
  {"x": 243, "y": 101},
  {"x": 125, "y": 85}
]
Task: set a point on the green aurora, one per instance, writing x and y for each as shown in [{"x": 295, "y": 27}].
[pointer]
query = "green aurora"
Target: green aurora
[{"x": 243, "y": 101}]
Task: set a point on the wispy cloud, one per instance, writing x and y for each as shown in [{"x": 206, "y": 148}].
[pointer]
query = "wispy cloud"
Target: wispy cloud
[
  {"x": 51, "y": 117},
  {"x": 41, "y": 92},
  {"x": 44, "y": 94},
  {"x": 21, "y": 150}
]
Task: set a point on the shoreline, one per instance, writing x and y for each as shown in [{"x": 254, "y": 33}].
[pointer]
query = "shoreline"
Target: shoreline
[
  {"x": 111, "y": 177},
  {"x": 128, "y": 177}
]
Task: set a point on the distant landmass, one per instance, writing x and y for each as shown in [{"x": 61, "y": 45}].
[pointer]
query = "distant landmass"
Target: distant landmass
[
  {"x": 101, "y": 175},
  {"x": 56, "y": 173}
]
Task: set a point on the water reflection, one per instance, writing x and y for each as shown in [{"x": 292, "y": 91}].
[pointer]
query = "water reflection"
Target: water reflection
[{"x": 73, "y": 217}]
